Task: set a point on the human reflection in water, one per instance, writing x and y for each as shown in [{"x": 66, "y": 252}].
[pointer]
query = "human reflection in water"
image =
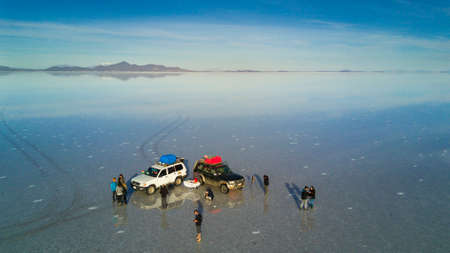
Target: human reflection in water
[
  {"x": 266, "y": 193},
  {"x": 307, "y": 221},
  {"x": 164, "y": 191},
  {"x": 120, "y": 216},
  {"x": 164, "y": 224},
  {"x": 266, "y": 197}
]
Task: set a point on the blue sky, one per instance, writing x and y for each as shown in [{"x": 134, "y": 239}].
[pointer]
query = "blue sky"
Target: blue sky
[{"x": 262, "y": 34}]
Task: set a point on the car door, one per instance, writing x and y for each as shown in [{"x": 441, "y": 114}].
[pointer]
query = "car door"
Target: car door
[
  {"x": 208, "y": 174},
  {"x": 172, "y": 174},
  {"x": 215, "y": 177},
  {"x": 179, "y": 170},
  {"x": 163, "y": 177}
]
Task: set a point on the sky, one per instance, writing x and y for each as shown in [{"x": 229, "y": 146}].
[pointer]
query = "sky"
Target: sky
[{"x": 225, "y": 35}]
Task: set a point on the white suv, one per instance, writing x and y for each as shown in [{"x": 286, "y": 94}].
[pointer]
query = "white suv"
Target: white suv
[{"x": 160, "y": 174}]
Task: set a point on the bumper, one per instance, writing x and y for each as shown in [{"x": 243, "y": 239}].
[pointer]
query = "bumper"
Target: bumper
[
  {"x": 239, "y": 186},
  {"x": 138, "y": 188}
]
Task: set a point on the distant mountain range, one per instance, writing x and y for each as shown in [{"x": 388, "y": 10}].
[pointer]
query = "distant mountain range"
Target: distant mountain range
[
  {"x": 124, "y": 66},
  {"x": 117, "y": 67}
]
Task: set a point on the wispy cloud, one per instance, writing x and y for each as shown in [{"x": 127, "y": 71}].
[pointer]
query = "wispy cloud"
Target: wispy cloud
[{"x": 313, "y": 43}]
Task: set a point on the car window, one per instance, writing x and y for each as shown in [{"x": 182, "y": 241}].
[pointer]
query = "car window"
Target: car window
[
  {"x": 152, "y": 172},
  {"x": 163, "y": 173},
  {"x": 172, "y": 169},
  {"x": 178, "y": 167},
  {"x": 223, "y": 170}
]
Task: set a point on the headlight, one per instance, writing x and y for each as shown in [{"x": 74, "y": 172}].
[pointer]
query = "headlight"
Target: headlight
[{"x": 232, "y": 182}]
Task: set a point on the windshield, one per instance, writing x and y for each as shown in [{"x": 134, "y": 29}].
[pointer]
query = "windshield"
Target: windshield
[
  {"x": 223, "y": 169},
  {"x": 152, "y": 172}
]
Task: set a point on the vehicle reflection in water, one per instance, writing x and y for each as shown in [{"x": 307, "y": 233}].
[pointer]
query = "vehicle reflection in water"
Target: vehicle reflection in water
[{"x": 179, "y": 194}]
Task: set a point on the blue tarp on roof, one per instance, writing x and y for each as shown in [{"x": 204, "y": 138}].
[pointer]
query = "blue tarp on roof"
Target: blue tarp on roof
[{"x": 168, "y": 159}]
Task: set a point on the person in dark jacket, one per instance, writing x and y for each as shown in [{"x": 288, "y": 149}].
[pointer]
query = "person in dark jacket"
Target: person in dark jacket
[
  {"x": 209, "y": 195},
  {"x": 113, "y": 189},
  {"x": 123, "y": 183},
  {"x": 164, "y": 191},
  {"x": 198, "y": 225},
  {"x": 304, "y": 197},
  {"x": 266, "y": 180},
  {"x": 311, "y": 196}
]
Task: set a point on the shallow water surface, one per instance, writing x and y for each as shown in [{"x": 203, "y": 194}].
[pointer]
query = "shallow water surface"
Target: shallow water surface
[{"x": 375, "y": 145}]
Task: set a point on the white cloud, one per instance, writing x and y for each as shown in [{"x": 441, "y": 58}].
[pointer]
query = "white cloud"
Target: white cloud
[{"x": 315, "y": 43}]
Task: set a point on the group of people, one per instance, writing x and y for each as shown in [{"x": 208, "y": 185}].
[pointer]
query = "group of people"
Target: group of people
[
  {"x": 308, "y": 196},
  {"x": 119, "y": 190}
]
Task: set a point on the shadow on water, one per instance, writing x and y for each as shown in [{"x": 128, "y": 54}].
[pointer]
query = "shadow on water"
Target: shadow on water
[
  {"x": 130, "y": 190},
  {"x": 260, "y": 182},
  {"x": 293, "y": 191},
  {"x": 199, "y": 206}
]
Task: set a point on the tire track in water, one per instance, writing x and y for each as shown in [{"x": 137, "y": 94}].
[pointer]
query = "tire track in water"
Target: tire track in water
[
  {"x": 50, "y": 160},
  {"x": 51, "y": 217},
  {"x": 65, "y": 215},
  {"x": 163, "y": 136},
  {"x": 151, "y": 137},
  {"x": 52, "y": 206},
  {"x": 160, "y": 133}
]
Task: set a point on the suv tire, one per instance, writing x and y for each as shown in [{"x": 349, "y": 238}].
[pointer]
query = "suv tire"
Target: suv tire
[
  {"x": 201, "y": 179},
  {"x": 224, "y": 188},
  {"x": 178, "y": 180},
  {"x": 150, "y": 190}
]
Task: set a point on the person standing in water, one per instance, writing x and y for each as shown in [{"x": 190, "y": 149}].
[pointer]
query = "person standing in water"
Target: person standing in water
[
  {"x": 119, "y": 193},
  {"x": 113, "y": 189},
  {"x": 123, "y": 183},
  {"x": 198, "y": 225},
  {"x": 164, "y": 191},
  {"x": 304, "y": 196},
  {"x": 311, "y": 196}
]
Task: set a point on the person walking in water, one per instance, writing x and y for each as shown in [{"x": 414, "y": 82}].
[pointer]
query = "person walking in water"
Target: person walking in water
[
  {"x": 198, "y": 225},
  {"x": 164, "y": 191},
  {"x": 113, "y": 189},
  {"x": 304, "y": 196},
  {"x": 123, "y": 183},
  {"x": 119, "y": 193},
  {"x": 311, "y": 196}
]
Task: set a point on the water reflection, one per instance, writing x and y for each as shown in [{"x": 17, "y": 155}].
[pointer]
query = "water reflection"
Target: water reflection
[
  {"x": 307, "y": 220},
  {"x": 65, "y": 94},
  {"x": 120, "y": 216},
  {"x": 178, "y": 195},
  {"x": 125, "y": 76}
]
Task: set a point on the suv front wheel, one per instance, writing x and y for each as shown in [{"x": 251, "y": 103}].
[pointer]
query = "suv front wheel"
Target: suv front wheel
[
  {"x": 151, "y": 189},
  {"x": 224, "y": 188},
  {"x": 178, "y": 181}
]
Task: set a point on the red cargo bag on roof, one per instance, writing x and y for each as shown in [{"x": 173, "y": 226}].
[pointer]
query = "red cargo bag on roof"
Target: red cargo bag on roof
[{"x": 213, "y": 160}]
